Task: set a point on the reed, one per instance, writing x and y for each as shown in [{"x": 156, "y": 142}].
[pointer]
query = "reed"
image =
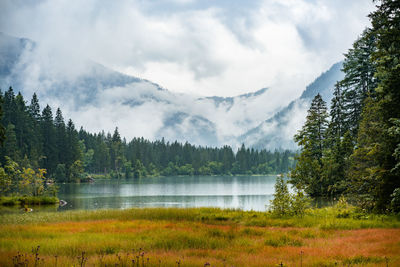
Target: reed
[{"x": 196, "y": 237}]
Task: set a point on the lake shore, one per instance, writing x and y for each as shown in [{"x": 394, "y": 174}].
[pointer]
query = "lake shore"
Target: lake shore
[
  {"x": 94, "y": 177},
  {"x": 28, "y": 200},
  {"x": 196, "y": 236}
]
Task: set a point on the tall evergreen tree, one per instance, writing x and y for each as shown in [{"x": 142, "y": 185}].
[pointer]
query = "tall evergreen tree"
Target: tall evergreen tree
[
  {"x": 311, "y": 138},
  {"x": 2, "y": 129},
  {"x": 359, "y": 81},
  {"x": 338, "y": 147},
  {"x": 375, "y": 157},
  {"x": 34, "y": 107},
  {"x": 366, "y": 171},
  {"x": 61, "y": 136},
  {"x": 49, "y": 141},
  {"x": 10, "y": 148},
  {"x": 10, "y": 108},
  {"x": 35, "y": 139}
]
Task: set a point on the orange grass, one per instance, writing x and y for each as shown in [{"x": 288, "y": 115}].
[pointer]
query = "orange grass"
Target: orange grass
[{"x": 188, "y": 243}]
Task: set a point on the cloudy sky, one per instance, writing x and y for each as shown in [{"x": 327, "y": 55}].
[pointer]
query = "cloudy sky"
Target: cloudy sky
[{"x": 206, "y": 47}]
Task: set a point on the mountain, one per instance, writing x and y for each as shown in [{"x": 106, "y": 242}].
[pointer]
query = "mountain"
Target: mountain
[
  {"x": 278, "y": 130},
  {"x": 100, "y": 98}
]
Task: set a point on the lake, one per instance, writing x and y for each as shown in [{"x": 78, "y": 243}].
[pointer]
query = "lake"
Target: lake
[{"x": 238, "y": 192}]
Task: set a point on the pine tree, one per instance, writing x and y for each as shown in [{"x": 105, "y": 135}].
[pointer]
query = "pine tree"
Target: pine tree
[
  {"x": 10, "y": 107},
  {"x": 23, "y": 126},
  {"x": 337, "y": 149},
  {"x": 10, "y": 148},
  {"x": 73, "y": 152},
  {"x": 308, "y": 171},
  {"x": 366, "y": 172},
  {"x": 281, "y": 204},
  {"x": 49, "y": 140},
  {"x": 2, "y": 129},
  {"x": 61, "y": 136},
  {"x": 34, "y": 108},
  {"x": 117, "y": 153},
  {"x": 359, "y": 81},
  {"x": 336, "y": 129},
  {"x": 35, "y": 150},
  {"x": 374, "y": 159}
]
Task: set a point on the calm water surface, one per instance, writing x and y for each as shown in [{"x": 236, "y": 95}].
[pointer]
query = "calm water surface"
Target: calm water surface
[{"x": 239, "y": 192}]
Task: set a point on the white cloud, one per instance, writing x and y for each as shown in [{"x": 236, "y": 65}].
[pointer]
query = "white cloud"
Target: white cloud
[
  {"x": 198, "y": 47},
  {"x": 209, "y": 50}
]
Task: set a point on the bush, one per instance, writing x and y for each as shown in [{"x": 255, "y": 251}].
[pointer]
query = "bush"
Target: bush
[
  {"x": 8, "y": 201},
  {"x": 299, "y": 202},
  {"x": 43, "y": 200},
  {"x": 280, "y": 205},
  {"x": 342, "y": 208},
  {"x": 285, "y": 203},
  {"x": 395, "y": 203}
]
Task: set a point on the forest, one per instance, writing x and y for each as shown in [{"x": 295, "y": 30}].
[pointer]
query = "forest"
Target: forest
[
  {"x": 353, "y": 148},
  {"x": 35, "y": 139}
]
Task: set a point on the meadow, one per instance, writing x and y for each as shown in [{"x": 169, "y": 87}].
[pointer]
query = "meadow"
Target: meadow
[{"x": 199, "y": 237}]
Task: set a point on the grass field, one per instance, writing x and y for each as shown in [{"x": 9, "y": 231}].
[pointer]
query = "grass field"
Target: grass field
[{"x": 197, "y": 237}]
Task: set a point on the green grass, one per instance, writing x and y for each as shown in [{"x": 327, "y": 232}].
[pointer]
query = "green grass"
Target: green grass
[
  {"x": 325, "y": 218},
  {"x": 28, "y": 200},
  {"x": 196, "y": 236}
]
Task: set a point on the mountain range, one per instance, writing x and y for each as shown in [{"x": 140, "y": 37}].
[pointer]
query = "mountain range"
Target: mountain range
[{"x": 100, "y": 98}]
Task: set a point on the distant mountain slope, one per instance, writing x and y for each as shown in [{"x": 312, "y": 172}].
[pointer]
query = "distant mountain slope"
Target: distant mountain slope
[
  {"x": 100, "y": 98},
  {"x": 278, "y": 131}
]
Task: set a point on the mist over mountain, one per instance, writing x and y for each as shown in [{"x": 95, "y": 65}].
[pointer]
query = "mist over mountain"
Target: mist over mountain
[
  {"x": 99, "y": 98},
  {"x": 278, "y": 130}
]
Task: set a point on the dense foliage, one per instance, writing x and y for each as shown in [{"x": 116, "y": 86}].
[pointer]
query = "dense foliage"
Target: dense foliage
[
  {"x": 358, "y": 151},
  {"x": 286, "y": 203},
  {"x": 39, "y": 140}
]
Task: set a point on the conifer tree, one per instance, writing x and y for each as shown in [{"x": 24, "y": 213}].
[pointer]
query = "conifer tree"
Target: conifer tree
[
  {"x": 10, "y": 148},
  {"x": 359, "y": 81},
  {"x": 10, "y": 107},
  {"x": 338, "y": 148},
  {"x": 61, "y": 136},
  {"x": 281, "y": 204},
  {"x": 49, "y": 141},
  {"x": 34, "y": 108},
  {"x": 375, "y": 157},
  {"x": 308, "y": 171},
  {"x": 2, "y": 129},
  {"x": 366, "y": 172}
]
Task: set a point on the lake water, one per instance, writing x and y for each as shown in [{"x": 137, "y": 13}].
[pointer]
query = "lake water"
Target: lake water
[{"x": 238, "y": 192}]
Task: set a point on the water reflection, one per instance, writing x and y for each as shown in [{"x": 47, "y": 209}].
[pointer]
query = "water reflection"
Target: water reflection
[{"x": 239, "y": 192}]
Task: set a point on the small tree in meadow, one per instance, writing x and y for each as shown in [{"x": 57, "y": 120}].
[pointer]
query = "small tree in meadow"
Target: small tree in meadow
[
  {"x": 280, "y": 205},
  {"x": 285, "y": 203},
  {"x": 299, "y": 202}
]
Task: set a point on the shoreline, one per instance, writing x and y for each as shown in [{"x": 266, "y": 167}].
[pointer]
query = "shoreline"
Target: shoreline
[{"x": 28, "y": 200}]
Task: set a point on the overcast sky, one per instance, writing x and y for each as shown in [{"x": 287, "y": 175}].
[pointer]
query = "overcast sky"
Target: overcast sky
[{"x": 205, "y": 47}]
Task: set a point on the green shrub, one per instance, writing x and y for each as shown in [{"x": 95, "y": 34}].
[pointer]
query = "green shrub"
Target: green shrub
[
  {"x": 283, "y": 240},
  {"x": 342, "y": 208},
  {"x": 280, "y": 205},
  {"x": 285, "y": 203},
  {"x": 8, "y": 201},
  {"x": 395, "y": 203}
]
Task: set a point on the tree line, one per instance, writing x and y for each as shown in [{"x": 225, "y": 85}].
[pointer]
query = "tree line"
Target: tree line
[
  {"x": 354, "y": 148},
  {"x": 34, "y": 138}
]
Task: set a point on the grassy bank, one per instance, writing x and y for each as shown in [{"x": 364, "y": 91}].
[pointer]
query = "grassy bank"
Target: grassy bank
[
  {"x": 194, "y": 237},
  {"x": 25, "y": 200}
]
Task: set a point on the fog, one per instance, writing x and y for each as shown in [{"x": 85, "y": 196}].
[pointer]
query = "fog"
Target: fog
[{"x": 192, "y": 48}]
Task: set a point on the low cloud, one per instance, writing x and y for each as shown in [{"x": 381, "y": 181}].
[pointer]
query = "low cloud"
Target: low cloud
[
  {"x": 203, "y": 47},
  {"x": 192, "y": 47}
]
